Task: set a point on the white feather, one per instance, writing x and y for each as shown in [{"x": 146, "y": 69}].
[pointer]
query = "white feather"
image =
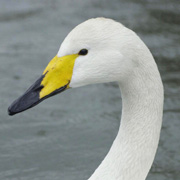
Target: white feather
[{"x": 115, "y": 53}]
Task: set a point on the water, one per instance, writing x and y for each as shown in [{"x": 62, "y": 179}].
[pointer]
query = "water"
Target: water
[{"x": 67, "y": 136}]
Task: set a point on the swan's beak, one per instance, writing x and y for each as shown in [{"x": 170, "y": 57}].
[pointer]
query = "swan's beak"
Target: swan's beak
[{"x": 55, "y": 79}]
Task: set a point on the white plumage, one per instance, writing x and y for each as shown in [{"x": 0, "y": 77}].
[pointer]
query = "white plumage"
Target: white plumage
[{"x": 115, "y": 53}]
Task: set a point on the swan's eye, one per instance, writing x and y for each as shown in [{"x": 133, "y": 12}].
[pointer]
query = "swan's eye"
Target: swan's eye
[{"x": 83, "y": 52}]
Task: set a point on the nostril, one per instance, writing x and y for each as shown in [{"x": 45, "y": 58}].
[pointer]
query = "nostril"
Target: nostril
[{"x": 38, "y": 88}]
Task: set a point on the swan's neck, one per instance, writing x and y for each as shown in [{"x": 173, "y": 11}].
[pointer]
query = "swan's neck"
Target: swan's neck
[{"x": 134, "y": 148}]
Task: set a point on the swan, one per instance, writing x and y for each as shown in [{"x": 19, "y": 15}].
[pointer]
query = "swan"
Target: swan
[{"x": 101, "y": 50}]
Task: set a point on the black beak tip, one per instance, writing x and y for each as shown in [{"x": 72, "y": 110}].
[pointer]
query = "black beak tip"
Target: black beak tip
[
  {"x": 31, "y": 98},
  {"x": 12, "y": 109},
  {"x": 10, "y": 112}
]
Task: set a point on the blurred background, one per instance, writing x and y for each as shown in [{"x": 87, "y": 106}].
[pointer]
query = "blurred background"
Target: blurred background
[{"x": 67, "y": 136}]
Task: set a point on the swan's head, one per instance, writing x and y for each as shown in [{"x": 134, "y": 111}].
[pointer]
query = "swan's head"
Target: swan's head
[{"x": 95, "y": 51}]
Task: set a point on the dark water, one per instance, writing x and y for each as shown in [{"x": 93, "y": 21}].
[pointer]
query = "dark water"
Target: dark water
[{"x": 67, "y": 136}]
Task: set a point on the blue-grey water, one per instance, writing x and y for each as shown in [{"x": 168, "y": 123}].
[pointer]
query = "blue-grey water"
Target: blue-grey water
[{"x": 67, "y": 136}]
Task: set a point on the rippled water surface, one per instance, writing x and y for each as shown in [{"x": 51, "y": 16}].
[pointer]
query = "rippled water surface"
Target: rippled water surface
[{"x": 67, "y": 136}]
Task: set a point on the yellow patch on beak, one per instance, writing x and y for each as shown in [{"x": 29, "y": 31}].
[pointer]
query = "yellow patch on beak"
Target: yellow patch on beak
[{"x": 58, "y": 73}]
